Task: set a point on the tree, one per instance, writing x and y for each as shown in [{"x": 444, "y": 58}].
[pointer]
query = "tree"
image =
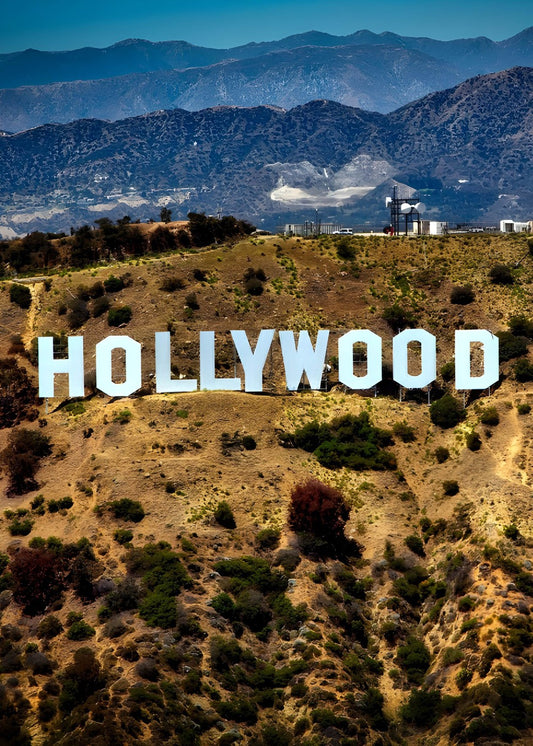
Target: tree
[
  {"x": 83, "y": 249},
  {"x": 224, "y": 515},
  {"x": 446, "y": 412},
  {"x": 18, "y": 397},
  {"x": 38, "y": 243},
  {"x": 162, "y": 240},
  {"x": 20, "y": 294},
  {"x": 318, "y": 509},
  {"x": 22, "y": 455},
  {"x": 165, "y": 215},
  {"x": 38, "y": 579}
]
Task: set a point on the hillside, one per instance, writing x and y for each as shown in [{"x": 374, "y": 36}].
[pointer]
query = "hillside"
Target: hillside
[
  {"x": 313, "y": 640},
  {"x": 466, "y": 149}
]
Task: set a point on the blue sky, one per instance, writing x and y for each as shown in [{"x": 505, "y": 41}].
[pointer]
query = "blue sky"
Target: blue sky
[{"x": 65, "y": 24}]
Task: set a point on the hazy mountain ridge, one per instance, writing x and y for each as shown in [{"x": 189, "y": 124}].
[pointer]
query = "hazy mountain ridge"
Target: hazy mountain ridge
[
  {"x": 373, "y": 71},
  {"x": 34, "y": 67},
  {"x": 479, "y": 132},
  {"x": 373, "y": 78}
]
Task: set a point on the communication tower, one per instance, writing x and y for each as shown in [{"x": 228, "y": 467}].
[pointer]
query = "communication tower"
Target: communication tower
[{"x": 405, "y": 213}]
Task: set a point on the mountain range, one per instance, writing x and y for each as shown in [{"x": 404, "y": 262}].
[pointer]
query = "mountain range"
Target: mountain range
[
  {"x": 378, "y": 72},
  {"x": 466, "y": 149}
]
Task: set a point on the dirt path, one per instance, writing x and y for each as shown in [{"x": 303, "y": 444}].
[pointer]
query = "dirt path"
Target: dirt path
[
  {"x": 36, "y": 290},
  {"x": 508, "y": 463}
]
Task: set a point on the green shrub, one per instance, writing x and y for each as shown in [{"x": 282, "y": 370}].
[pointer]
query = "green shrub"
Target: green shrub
[
  {"x": 100, "y": 306},
  {"x": 127, "y": 509},
  {"x": 114, "y": 284},
  {"x": 268, "y": 538},
  {"x": 287, "y": 615},
  {"x": 80, "y": 630},
  {"x": 446, "y": 412},
  {"x": 442, "y": 454},
  {"x": 473, "y": 441},
  {"x": 447, "y": 371},
  {"x": 490, "y": 416},
  {"x": 239, "y": 708},
  {"x": 249, "y": 443},
  {"x": 171, "y": 283},
  {"x": 188, "y": 546},
  {"x": 326, "y": 718},
  {"x": 408, "y": 587},
  {"x": 64, "y": 503},
  {"x": 52, "y": 506},
  {"x": 223, "y": 605},
  {"x": 521, "y": 326},
  {"x": 523, "y": 408},
  {"x": 123, "y": 535},
  {"x": 490, "y": 654},
  {"x": 192, "y": 683},
  {"x": 345, "y": 248},
  {"x": 500, "y": 274},
  {"x": 523, "y": 371},
  {"x": 224, "y": 652},
  {"x": 511, "y": 346},
  {"x": 349, "y": 583},
  {"x": 470, "y": 624},
  {"x": 49, "y": 627},
  {"x": 119, "y": 315},
  {"x": 414, "y": 658},
  {"x": 73, "y": 616},
  {"x": 19, "y": 527},
  {"x": 511, "y": 532},
  {"x": 451, "y": 656},
  {"x": 349, "y": 441},
  {"x": 224, "y": 515},
  {"x": 466, "y": 603},
  {"x": 47, "y": 710},
  {"x": 159, "y": 610},
  {"x": 399, "y": 318},
  {"x": 462, "y": 295},
  {"x": 450, "y": 487},
  {"x": 123, "y": 417},
  {"x": 246, "y": 572},
  {"x": 163, "y": 576},
  {"x": 422, "y": 708},
  {"x": 405, "y": 432},
  {"x": 20, "y": 295},
  {"x": 415, "y": 544},
  {"x": 463, "y": 678}
]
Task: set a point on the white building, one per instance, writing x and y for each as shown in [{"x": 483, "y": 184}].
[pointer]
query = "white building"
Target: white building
[
  {"x": 434, "y": 227},
  {"x": 512, "y": 226}
]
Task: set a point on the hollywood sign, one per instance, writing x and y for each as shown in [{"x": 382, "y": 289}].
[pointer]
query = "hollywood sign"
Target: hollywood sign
[{"x": 300, "y": 357}]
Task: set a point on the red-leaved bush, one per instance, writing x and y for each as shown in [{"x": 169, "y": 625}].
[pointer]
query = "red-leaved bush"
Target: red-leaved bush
[
  {"x": 318, "y": 509},
  {"x": 38, "y": 579}
]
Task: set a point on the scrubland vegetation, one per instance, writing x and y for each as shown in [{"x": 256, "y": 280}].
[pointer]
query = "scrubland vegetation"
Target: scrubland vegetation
[{"x": 307, "y": 568}]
